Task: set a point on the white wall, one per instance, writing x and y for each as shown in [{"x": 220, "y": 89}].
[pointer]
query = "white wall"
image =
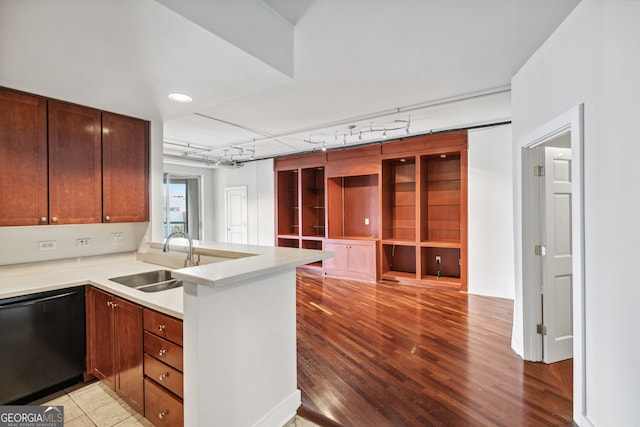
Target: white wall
[
  {"x": 490, "y": 212},
  {"x": 592, "y": 59},
  {"x": 258, "y": 176},
  {"x": 208, "y": 224}
]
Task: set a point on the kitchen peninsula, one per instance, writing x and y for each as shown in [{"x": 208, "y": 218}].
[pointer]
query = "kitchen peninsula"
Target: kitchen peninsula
[{"x": 239, "y": 321}]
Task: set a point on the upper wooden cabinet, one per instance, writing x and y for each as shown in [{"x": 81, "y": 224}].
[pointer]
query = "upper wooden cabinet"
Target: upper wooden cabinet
[
  {"x": 125, "y": 158},
  {"x": 23, "y": 159},
  {"x": 62, "y": 163},
  {"x": 75, "y": 164}
]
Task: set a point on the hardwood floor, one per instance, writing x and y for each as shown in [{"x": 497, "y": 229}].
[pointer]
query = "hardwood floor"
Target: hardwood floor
[{"x": 394, "y": 355}]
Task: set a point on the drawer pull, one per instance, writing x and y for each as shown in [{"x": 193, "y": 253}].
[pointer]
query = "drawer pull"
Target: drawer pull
[
  {"x": 162, "y": 352},
  {"x": 163, "y": 414},
  {"x": 163, "y": 376},
  {"x": 161, "y": 328}
]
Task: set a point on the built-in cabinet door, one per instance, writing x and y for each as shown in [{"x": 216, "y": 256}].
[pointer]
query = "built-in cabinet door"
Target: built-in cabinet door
[
  {"x": 125, "y": 157},
  {"x": 100, "y": 336},
  {"x": 361, "y": 258},
  {"x": 353, "y": 258},
  {"x": 23, "y": 159},
  {"x": 128, "y": 353},
  {"x": 339, "y": 261},
  {"x": 114, "y": 332},
  {"x": 75, "y": 164}
]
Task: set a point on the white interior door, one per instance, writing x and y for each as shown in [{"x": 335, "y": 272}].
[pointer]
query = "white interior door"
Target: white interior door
[
  {"x": 557, "y": 265},
  {"x": 236, "y": 214}
]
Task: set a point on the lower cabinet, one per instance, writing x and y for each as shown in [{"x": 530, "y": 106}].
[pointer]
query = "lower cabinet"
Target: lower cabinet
[
  {"x": 353, "y": 259},
  {"x": 163, "y": 366},
  {"x": 114, "y": 349},
  {"x": 137, "y": 352}
]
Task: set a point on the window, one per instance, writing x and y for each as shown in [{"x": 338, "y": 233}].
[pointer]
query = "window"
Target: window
[{"x": 181, "y": 204}]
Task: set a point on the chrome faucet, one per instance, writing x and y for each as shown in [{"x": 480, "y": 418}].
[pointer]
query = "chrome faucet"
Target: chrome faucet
[{"x": 189, "y": 261}]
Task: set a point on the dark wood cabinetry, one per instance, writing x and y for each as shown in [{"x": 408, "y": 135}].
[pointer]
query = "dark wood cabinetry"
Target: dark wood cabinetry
[
  {"x": 125, "y": 157},
  {"x": 24, "y": 188},
  {"x": 114, "y": 349},
  {"x": 62, "y": 163},
  {"x": 407, "y": 197},
  {"x": 163, "y": 366},
  {"x": 75, "y": 164}
]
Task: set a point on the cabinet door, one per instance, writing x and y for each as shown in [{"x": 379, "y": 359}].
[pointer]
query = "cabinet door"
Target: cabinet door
[
  {"x": 338, "y": 262},
  {"x": 125, "y": 157},
  {"x": 128, "y": 353},
  {"x": 23, "y": 159},
  {"x": 360, "y": 258},
  {"x": 101, "y": 337},
  {"x": 75, "y": 164}
]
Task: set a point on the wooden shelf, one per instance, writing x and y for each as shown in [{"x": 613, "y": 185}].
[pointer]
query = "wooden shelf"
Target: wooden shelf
[
  {"x": 395, "y": 275},
  {"x": 399, "y": 198},
  {"x": 352, "y": 206},
  {"x": 313, "y": 201},
  {"x": 440, "y": 244}
]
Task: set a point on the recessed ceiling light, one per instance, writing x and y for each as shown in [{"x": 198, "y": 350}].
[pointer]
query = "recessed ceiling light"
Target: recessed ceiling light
[{"x": 180, "y": 97}]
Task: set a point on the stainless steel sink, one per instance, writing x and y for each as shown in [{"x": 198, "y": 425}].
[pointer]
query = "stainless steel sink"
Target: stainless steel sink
[{"x": 150, "y": 281}]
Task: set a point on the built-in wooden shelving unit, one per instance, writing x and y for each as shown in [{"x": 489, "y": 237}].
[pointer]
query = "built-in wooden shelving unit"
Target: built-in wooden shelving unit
[{"x": 406, "y": 201}]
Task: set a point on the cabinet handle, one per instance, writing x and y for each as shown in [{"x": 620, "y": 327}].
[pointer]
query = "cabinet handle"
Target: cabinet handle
[
  {"x": 163, "y": 376},
  {"x": 162, "y": 352},
  {"x": 109, "y": 304},
  {"x": 107, "y": 218},
  {"x": 43, "y": 219},
  {"x": 114, "y": 305},
  {"x": 54, "y": 218},
  {"x": 163, "y": 414},
  {"x": 161, "y": 328}
]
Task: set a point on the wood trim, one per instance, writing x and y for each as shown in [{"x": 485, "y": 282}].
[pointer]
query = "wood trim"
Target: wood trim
[
  {"x": 464, "y": 203},
  {"x": 427, "y": 144},
  {"x": 300, "y": 161}
]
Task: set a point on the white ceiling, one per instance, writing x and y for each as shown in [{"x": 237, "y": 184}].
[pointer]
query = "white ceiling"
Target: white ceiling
[{"x": 357, "y": 65}]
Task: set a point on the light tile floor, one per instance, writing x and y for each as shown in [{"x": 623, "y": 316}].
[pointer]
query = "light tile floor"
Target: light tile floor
[{"x": 96, "y": 405}]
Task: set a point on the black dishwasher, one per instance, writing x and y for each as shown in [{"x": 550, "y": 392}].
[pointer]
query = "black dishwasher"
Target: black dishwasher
[{"x": 42, "y": 337}]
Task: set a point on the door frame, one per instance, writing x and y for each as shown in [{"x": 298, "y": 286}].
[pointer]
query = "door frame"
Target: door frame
[{"x": 528, "y": 230}]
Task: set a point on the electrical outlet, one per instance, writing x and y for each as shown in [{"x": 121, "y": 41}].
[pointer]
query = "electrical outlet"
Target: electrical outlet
[
  {"x": 366, "y": 221},
  {"x": 117, "y": 239},
  {"x": 47, "y": 245},
  {"x": 438, "y": 259},
  {"x": 83, "y": 241}
]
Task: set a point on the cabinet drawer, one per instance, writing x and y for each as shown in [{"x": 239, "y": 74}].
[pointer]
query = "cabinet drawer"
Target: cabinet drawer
[
  {"x": 161, "y": 407},
  {"x": 163, "y": 325},
  {"x": 163, "y": 350},
  {"x": 164, "y": 375}
]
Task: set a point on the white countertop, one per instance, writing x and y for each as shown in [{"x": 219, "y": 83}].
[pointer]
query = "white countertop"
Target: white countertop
[
  {"x": 244, "y": 261},
  {"x": 22, "y": 279},
  {"x": 231, "y": 264}
]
